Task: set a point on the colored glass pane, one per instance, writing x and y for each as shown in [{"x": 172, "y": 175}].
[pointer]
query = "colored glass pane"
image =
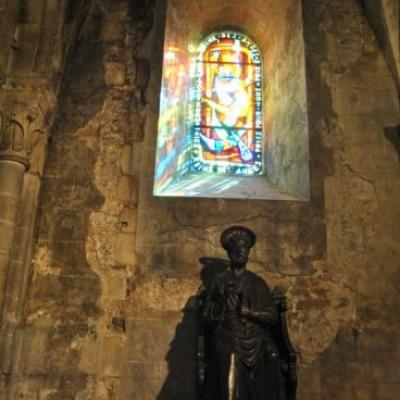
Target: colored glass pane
[
  {"x": 227, "y": 130},
  {"x": 173, "y": 143}
]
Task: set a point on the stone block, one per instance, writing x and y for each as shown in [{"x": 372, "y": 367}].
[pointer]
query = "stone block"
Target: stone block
[
  {"x": 370, "y": 159},
  {"x": 113, "y": 31},
  {"x": 113, "y": 355},
  {"x": 128, "y": 220},
  {"x": 68, "y": 225},
  {"x": 103, "y": 223},
  {"x": 69, "y": 257},
  {"x": 104, "y": 356},
  {"x": 136, "y": 389},
  {"x": 124, "y": 249},
  {"x": 115, "y": 285},
  {"x": 356, "y": 95},
  {"x": 100, "y": 388},
  {"x": 73, "y": 385},
  {"x": 171, "y": 373},
  {"x": 184, "y": 290},
  {"x": 69, "y": 299},
  {"x": 89, "y": 362},
  {"x": 148, "y": 296},
  {"x": 38, "y": 387},
  {"x": 180, "y": 259},
  {"x": 125, "y": 159},
  {"x": 79, "y": 290},
  {"x": 127, "y": 190},
  {"x": 148, "y": 340},
  {"x": 115, "y": 74},
  {"x": 34, "y": 348}
]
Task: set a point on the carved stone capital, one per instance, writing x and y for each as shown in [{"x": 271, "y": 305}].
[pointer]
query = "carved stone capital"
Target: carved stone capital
[{"x": 20, "y": 131}]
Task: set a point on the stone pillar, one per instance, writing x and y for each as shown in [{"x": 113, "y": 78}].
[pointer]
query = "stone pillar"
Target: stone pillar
[
  {"x": 19, "y": 133},
  {"x": 13, "y": 164}
]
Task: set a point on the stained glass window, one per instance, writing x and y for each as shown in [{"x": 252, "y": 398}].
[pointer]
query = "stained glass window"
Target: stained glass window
[
  {"x": 227, "y": 106},
  {"x": 210, "y": 120}
]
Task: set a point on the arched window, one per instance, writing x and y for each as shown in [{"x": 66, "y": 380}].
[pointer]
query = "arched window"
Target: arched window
[
  {"x": 227, "y": 106},
  {"x": 211, "y": 116},
  {"x": 219, "y": 134}
]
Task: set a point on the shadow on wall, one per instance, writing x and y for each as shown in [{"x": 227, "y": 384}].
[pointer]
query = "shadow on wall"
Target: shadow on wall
[
  {"x": 69, "y": 294},
  {"x": 180, "y": 383},
  {"x": 392, "y": 133},
  {"x": 84, "y": 88}
]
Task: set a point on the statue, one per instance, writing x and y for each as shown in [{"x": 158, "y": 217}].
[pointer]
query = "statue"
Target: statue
[{"x": 244, "y": 351}]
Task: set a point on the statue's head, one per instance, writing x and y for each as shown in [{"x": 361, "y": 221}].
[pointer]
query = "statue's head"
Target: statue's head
[{"x": 237, "y": 241}]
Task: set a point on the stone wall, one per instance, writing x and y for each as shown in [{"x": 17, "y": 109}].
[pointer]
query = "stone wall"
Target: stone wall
[
  {"x": 383, "y": 16},
  {"x": 35, "y": 40},
  {"x": 110, "y": 307}
]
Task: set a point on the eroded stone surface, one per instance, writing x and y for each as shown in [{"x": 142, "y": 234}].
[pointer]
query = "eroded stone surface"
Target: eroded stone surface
[{"x": 110, "y": 313}]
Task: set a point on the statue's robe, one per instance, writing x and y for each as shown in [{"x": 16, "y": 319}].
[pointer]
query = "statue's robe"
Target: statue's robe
[{"x": 239, "y": 349}]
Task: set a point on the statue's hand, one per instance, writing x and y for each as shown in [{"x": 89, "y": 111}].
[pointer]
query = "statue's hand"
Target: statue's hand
[
  {"x": 245, "y": 311},
  {"x": 232, "y": 301},
  {"x": 280, "y": 299}
]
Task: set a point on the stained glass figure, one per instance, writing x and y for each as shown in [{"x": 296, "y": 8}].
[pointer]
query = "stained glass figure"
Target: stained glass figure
[
  {"x": 227, "y": 130},
  {"x": 211, "y": 113}
]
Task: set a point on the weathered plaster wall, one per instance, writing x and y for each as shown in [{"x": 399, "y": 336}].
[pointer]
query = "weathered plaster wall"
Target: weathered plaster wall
[
  {"x": 384, "y": 17},
  {"x": 35, "y": 39},
  {"x": 110, "y": 313},
  {"x": 361, "y": 204},
  {"x": 83, "y": 233}
]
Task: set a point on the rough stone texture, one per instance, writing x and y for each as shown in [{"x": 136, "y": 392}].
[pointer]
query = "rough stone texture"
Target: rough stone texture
[
  {"x": 110, "y": 311},
  {"x": 384, "y": 19},
  {"x": 80, "y": 235},
  {"x": 32, "y": 53},
  {"x": 35, "y": 39}
]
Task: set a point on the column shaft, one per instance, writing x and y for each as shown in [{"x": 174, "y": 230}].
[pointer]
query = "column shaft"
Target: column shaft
[{"x": 11, "y": 181}]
